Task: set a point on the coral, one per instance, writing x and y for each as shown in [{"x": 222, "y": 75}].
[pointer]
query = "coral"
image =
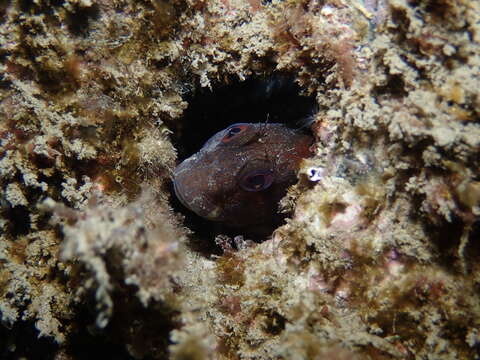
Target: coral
[{"x": 378, "y": 258}]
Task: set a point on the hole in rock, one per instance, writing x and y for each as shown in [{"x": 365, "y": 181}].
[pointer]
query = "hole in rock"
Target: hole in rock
[
  {"x": 22, "y": 341},
  {"x": 80, "y": 19},
  {"x": 19, "y": 220},
  {"x": 276, "y": 99}
]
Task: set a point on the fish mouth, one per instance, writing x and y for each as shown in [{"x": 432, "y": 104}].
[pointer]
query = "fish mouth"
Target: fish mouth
[
  {"x": 179, "y": 194},
  {"x": 205, "y": 209}
]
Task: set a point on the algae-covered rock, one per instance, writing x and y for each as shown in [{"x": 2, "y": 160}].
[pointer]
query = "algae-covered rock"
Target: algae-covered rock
[{"x": 378, "y": 256}]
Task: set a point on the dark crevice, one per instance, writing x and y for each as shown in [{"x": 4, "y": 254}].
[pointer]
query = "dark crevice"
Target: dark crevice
[
  {"x": 275, "y": 323},
  {"x": 275, "y": 99},
  {"x": 4, "y": 5},
  {"x": 395, "y": 86},
  {"x": 446, "y": 237},
  {"x": 25, "y": 5},
  {"x": 37, "y": 8},
  {"x": 19, "y": 220},
  {"x": 22, "y": 342},
  {"x": 78, "y": 21},
  {"x": 472, "y": 249},
  {"x": 143, "y": 330}
]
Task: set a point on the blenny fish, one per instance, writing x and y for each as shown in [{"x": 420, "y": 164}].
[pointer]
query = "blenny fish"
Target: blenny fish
[{"x": 239, "y": 176}]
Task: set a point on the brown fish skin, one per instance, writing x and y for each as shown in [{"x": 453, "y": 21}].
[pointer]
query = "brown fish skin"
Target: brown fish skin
[{"x": 241, "y": 173}]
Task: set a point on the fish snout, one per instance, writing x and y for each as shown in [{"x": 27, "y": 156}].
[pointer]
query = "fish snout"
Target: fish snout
[{"x": 193, "y": 190}]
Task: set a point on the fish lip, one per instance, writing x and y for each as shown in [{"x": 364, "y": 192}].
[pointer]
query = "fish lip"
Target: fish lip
[
  {"x": 178, "y": 194},
  {"x": 211, "y": 215}
]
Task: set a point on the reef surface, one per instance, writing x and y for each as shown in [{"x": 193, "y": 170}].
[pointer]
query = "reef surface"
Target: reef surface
[{"x": 379, "y": 256}]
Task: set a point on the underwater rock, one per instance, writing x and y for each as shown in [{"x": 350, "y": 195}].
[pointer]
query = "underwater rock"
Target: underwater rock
[{"x": 380, "y": 257}]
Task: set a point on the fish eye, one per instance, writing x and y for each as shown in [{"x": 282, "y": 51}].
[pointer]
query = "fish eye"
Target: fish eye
[
  {"x": 233, "y": 131},
  {"x": 257, "y": 180}
]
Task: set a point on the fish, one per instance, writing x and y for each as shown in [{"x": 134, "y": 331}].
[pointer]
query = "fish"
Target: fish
[{"x": 241, "y": 173}]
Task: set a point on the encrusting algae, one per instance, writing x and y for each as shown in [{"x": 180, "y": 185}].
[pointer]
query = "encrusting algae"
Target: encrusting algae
[{"x": 378, "y": 255}]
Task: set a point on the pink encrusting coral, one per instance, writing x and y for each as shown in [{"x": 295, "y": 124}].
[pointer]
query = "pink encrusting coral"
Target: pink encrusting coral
[{"x": 378, "y": 257}]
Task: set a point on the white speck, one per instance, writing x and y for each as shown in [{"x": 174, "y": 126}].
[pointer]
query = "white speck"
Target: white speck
[
  {"x": 327, "y": 10},
  {"x": 449, "y": 50},
  {"x": 315, "y": 173}
]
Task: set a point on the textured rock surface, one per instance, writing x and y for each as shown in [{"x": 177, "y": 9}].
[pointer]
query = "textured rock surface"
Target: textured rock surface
[{"x": 379, "y": 257}]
